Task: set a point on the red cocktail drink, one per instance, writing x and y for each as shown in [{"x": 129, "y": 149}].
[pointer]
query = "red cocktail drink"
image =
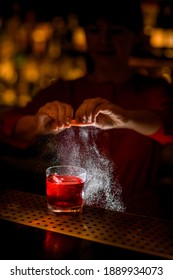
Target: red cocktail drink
[{"x": 64, "y": 191}]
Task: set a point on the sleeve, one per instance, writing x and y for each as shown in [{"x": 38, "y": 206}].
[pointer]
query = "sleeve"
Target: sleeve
[
  {"x": 162, "y": 105},
  {"x": 9, "y": 118},
  {"x": 162, "y": 137}
]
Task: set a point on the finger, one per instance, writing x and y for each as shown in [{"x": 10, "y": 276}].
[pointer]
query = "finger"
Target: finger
[
  {"x": 68, "y": 114},
  {"x": 84, "y": 112},
  {"x": 62, "y": 112},
  {"x": 89, "y": 109},
  {"x": 48, "y": 118},
  {"x": 105, "y": 109},
  {"x": 75, "y": 123},
  {"x": 80, "y": 113},
  {"x": 45, "y": 124},
  {"x": 48, "y": 111},
  {"x": 93, "y": 107}
]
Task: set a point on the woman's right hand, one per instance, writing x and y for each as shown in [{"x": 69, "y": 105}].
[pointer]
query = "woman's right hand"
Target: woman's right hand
[{"x": 53, "y": 117}]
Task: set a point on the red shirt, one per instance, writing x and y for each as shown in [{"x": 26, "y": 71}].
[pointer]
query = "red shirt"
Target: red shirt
[{"x": 132, "y": 158}]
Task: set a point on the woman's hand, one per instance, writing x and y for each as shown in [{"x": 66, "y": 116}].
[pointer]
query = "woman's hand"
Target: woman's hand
[
  {"x": 53, "y": 117},
  {"x": 101, "y": 113}
]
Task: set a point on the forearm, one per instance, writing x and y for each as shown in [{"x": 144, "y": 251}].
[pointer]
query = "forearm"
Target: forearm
[
  {"x": 30, "y": 127},
  {"x": 26, "y": 128},
  {"x": 144, "y": 122}
]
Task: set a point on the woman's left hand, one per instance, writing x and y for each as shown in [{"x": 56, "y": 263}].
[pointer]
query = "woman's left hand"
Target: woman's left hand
[{"x": 101, "y": 113}]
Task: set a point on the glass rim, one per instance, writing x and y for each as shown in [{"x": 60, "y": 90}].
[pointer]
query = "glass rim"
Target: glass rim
[{"x": 83, "y": 170}]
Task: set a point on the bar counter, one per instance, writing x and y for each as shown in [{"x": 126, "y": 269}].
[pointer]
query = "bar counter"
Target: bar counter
[{"x": 28, "y": 231}]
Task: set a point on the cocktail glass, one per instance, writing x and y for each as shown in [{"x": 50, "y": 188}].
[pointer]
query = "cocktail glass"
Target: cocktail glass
[{"x": 65, "y": 188}]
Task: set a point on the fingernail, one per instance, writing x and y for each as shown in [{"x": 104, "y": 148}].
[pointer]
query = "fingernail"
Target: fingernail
[
  {"x": 84, "y": 119},
  {"x": 67, "y": 120}
]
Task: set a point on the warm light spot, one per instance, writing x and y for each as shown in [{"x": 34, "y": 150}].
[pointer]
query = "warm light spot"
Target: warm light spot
[
  {"x": 161, "y": 38},
  {"x": 31, "y": 72},
  {"x": 79, "y": 39},
  {"x": 38, "y": 35},
  {"x": 8, "y": 72},
  {"x": 169, "y": 38},
  {"x": 70, "y": 69},
  {"x": 7, "y": 48},
  {"x": 166, "y": 73},
  {"x": 157, "y": 39},
  {"x": 23, "y": 99},
  {"x": 73, "y": 74},
  {"x": 42, "y": 32},
  {"x": 8, "y": 97}
]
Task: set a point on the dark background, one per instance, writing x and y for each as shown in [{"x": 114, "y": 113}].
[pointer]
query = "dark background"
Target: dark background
[{"x": 44, "y": 9}]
